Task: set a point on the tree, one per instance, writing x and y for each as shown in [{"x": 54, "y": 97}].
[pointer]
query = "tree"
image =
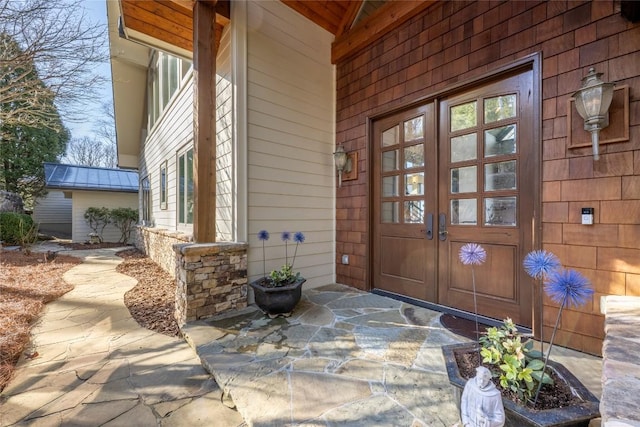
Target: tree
[
  {"x": 26, "y": 146},
  {"x": 55, "y": 40},
  {"x": 88, "y": 151}
]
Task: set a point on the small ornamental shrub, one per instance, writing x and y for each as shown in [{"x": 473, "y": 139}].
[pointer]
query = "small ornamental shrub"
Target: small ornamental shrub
[
  {"x": 124, "y": 219},
  {"x": 14, "y": 227},
  {"x": 520, "y": 366},
  {"x": 97, "y": 219}
]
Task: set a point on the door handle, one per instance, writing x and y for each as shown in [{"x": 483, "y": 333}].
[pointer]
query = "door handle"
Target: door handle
[
  {"x": 442, "y": 227},
  {"x": 430, "y": 226}
]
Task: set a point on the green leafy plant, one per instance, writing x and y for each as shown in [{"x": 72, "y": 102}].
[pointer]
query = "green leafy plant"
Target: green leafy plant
[
  {"x": 124, "y": 219},
  {"x": 285, "y": 275},
  {"x": 519, "y": 367},
  {"x": 13, "y": 227},
  {"x": 97, "y": 219}
]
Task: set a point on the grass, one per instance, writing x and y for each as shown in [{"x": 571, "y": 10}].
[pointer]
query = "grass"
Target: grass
[{"x": 27, "y": 283}]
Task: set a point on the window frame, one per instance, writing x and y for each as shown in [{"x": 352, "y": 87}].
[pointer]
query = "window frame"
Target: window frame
[
  {"x": 166, "y": 77},
  {"x": 184, "y": 198},
  {"x": 145, "y": 191},
  {"x": 164, "y": 180}
]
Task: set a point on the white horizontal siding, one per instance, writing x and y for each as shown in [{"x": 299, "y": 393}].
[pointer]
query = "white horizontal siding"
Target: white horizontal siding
[
  {"x": 173, "y": 134},
  {"x": 83, "y": 200},
  {"x": 225, "y": 199},
  {"x": 290, "y": 113},
  {"x": 52, "y": 209}
]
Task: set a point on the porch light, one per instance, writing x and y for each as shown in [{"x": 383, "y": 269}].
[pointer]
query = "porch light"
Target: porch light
[
  {"x": 592, "y": 102},
  {"x": 343, "y": 163}
]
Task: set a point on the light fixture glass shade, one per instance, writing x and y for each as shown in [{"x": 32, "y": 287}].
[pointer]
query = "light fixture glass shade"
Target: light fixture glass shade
[
  {"x": 594, "y": 98},
  {"x": 340, "y": 157},
  {"x": 592, "y": 102}
]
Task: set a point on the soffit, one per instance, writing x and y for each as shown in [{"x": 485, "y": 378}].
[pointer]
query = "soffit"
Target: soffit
[{"x": 168, "y": 24}]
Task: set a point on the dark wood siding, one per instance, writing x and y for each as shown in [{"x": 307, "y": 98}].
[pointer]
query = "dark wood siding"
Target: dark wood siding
[{"x": 454, "y": 42}]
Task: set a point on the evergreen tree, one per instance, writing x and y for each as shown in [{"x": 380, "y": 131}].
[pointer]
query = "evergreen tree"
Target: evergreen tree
[{"x": 30, "y": 127}]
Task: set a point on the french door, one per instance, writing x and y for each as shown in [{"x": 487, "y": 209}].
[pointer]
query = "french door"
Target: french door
[{"x": 458, "y": 169}]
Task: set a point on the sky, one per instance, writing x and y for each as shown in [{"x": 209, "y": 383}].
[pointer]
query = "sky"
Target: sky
[{"x": 97, "y": 12}]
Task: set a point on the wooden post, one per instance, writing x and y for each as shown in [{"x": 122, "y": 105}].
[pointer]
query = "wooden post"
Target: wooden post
[{"x": 204, "y": 122}]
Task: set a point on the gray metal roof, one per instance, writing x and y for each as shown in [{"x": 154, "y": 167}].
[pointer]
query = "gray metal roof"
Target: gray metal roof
[{"x": 73, "y": 177}]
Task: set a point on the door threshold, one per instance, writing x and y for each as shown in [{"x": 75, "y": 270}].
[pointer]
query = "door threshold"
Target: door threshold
[{"x": 449, "y": 310}]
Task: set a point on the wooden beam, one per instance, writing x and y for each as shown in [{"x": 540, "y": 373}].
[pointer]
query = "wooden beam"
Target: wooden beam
[
  {"x": 349, "y": 16},
  {"x": 383, "y": 20},
  {"x": 204, "y": 122}
]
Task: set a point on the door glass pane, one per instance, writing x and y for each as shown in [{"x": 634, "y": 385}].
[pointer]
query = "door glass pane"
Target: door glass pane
[
  {"x": 414, "y": 211},
  {"x": 464, "y": 180},
  {"x": 390, "y": 136},
  {"x": 414, "y": 184},
  {"x": 500, "y": 141},
  {"x": 464, "y": 147},
  {"x": 500, "y": 211},
  {"x": 464, "y": 116},
  {"x": 390, "y": 186},
  {"x": 390, "y": 212},
  {"x": 500, "y": 176},
  {"x": 414, "y": 156},
  {"x": 464, "y": 212},
  {"x": 390, "y": 161},
  {"x": 414, "y": 129},
  {"x": 499, "y": 108}
]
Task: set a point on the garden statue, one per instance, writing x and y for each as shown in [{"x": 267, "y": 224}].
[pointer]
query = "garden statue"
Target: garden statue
[{"x": 481, "y": 404}]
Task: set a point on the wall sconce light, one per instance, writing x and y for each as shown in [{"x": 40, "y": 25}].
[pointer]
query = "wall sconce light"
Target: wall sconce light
[
  {"x": 592, "y": 102},
  {"x": 343, "y": 162}
]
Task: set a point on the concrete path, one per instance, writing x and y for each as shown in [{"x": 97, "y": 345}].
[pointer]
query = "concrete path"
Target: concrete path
[{"x": 97, "y": 367}]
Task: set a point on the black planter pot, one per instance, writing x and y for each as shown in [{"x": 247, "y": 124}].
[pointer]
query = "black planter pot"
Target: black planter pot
[
  {"x": 521, "y": 416},
  {"x": 278, "y": 300}
]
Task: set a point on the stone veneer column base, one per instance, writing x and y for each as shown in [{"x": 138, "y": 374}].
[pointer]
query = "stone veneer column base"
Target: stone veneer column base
[{"x": 211, "y": 278}]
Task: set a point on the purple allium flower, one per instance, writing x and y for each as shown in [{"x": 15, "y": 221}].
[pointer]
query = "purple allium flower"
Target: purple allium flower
[
  {"x": 263, "y": 235},
  {"x": 286, "y": 236},
  {"x": 568, "y": 287},
  {"x": 298, "y": 237},
  {"x": 539, "y": 264},
  {"x": 472, "y": 254}
]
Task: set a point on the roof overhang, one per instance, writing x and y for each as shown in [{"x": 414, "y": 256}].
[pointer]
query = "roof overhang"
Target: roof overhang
[{"x": 129, "y": 64}]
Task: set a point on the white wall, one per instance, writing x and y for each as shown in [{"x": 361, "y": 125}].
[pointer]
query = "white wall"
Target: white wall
[
  {"x": 53, "y": 213},
  {"x": 225, "y": 199},
  {"x": 290, "y": 137},
  {"x": 173, "y": 133},
  {"x": 82, "y": 200}
]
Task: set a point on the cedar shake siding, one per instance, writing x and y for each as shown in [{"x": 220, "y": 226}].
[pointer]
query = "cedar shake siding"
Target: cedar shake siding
[{"x": 455, "y": 42}]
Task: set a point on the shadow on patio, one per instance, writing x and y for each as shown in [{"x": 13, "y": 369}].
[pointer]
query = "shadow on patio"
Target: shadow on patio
[{"x": 344, "y": 356}]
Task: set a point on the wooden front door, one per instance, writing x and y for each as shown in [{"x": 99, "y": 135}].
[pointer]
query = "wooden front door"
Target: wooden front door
[{"x": 475, "y": 181}]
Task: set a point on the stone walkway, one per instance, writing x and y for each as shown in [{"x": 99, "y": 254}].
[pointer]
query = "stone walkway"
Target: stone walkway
[
  {"x": 344, "y": 358},
  {"x": 97, "y": 367}
]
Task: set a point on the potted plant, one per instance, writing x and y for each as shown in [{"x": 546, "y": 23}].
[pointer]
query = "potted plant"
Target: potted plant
[
  {"x": 280, "y": 291},
  {"x": 535, "y": 391}
]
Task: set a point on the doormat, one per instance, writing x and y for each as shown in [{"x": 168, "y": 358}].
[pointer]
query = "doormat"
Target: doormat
[{"x": 462, "y": 326}]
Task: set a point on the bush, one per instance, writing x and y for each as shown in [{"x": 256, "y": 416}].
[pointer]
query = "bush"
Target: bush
[
  {"x": 124, "y": 219},
  {"x": 15, "y": 228},
  {"x": 97, "y": 219}
]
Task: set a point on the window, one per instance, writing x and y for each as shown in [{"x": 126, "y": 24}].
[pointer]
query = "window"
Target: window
[
  {"x": 165, "y": 78},
  {"x": 185, "y": 187},
  {"x": 146, "y": 201},
  {"x": 163, "y": 185}
]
